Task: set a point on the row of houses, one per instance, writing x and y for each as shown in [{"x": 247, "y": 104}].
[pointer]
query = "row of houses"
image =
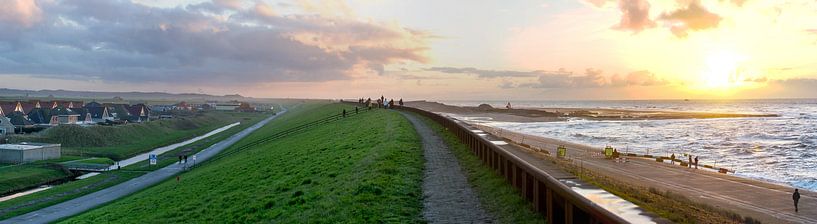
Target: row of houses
[
  {"x": 210, "y": 105},
  {"x": 26, "y": 113}
]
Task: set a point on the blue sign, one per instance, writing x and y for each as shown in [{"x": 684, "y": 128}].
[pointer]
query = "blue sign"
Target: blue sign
[{"x": 152, "y": 159}]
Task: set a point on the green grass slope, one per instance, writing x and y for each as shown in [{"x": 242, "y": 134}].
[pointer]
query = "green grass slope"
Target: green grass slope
[
  {"x": 363, "y": 169},
  {"x": 13, "y": 178}
]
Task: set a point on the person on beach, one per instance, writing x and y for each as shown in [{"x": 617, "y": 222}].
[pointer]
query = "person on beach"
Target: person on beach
[
  {"x": 689, "y": 164},
  {"x": 672, "y": 159},
  {"x": 796, "y": 198},
  {"x": 696, "y": 162}
]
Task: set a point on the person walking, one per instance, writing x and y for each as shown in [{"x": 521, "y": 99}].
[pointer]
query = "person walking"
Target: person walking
[
  {"x": 796, "y": 198},
  {"x": 180, "y": 159},
  {"x": 672, "y": 159},
  {"x": 689, "y": 164},
  {"x": 696, "y": 162},
  {"x": 185, "y": 159},
  {"x": 344, "y": 112}
]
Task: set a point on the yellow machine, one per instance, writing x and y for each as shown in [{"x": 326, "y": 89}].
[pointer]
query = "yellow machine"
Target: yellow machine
[{"x": 561, "y": 151}]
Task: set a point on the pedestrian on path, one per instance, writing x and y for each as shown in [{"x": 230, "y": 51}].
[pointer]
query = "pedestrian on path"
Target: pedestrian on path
[
  {"x": 689, "y": 165},
  {"x": 185, "y": 159},
  {"x": 672, "y": 159},
  {"x": 796, "y": 198},
  {"x": 344, "y": 112},
  {"x": 696, "y": 162},
  {"x": 180, "y": 159}
]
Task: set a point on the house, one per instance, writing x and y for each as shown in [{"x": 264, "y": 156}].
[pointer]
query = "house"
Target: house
[
  {"x": 84, "y": 116},
  {"x": 139, "y": 113},
  {"x": 245, "y": 107},
  {"x": 118, "y": 111},
  {"x": 39, "y": 116},
  {"x": 62, "y": 115},
  {"x": 182, "y": 106},
  {"x": 6, "y": 128},
  {"x": 229, "y": 106},
  {"x": 161, "y": 108},
  {"x": 28, "y": 152},
  {"x": 6, "y": 108},
  {"x": 97, "y": 113}
]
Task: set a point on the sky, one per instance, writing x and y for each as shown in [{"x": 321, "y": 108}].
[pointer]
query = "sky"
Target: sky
[{"x": 420, "y": 49}]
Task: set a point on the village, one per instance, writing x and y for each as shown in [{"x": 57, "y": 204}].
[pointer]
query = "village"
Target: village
[{"x": 28, "y": 116}]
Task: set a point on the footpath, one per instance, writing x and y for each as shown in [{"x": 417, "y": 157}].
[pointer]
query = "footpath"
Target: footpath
[
  {"x": 90, "y": 201},
  {"x": 447, "y": 196}
]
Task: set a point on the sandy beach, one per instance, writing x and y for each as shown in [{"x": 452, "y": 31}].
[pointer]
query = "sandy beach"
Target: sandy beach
[{"x": 560, "y": 114}]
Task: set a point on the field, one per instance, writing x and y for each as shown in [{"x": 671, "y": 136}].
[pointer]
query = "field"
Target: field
[
  {"x": 499, "y": 197},
  {"x": 366, "y": 168}
]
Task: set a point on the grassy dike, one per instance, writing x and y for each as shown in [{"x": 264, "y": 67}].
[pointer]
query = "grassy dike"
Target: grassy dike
[
  {"x": 74, "y": 189},
  {"x": 496, "y": 194},
  {"x": 364, "y": 169}
]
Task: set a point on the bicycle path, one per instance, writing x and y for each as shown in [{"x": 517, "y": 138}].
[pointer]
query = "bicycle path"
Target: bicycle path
[{"x": 90, "y": 201}]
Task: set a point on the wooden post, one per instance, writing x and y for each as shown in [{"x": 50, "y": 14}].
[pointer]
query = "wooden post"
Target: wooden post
[
  {"x": 568, "y": 212},
  {"x": 549, "y": 204}
]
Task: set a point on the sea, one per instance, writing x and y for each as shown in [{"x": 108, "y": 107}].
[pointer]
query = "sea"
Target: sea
[{"x": 780, "y": 150}]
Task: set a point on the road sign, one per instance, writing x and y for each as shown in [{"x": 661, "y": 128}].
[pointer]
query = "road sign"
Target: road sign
[{"x": 152, "y": 159}]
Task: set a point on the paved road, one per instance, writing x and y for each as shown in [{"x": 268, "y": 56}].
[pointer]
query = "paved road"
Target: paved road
[
  {"x": 769, "y": 203},
  {"x": 161, "y": 150},
  {"x": 447, "y": 196},
  {"x": 87, "y": 202}
]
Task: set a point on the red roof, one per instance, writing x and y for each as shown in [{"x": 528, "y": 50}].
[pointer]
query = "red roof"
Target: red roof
[{"x": 7, "y": 107}]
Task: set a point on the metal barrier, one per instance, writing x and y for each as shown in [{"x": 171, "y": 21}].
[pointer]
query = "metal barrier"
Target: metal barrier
[{"x": 549, "y": 197}]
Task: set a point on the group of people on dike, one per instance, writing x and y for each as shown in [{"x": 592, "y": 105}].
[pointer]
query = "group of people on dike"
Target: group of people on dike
[
  {"x": 690, "y": 162},
  {"x": 379, "y": 103}
]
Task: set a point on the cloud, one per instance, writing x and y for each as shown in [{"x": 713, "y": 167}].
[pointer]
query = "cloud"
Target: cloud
[
  {"x": 216, "y": 43},
  {"x": 637, "y": 78},
  {"x": 635, "y": 15},
  {"x": 561, "y": 78},
  {"x": 482, "y": 73},
  {"x": 23, "y": 13},
  {"x": 692, "y": 17}
]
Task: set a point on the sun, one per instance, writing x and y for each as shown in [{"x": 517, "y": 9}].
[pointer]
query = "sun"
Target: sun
[{"x": 722, "y": 70}]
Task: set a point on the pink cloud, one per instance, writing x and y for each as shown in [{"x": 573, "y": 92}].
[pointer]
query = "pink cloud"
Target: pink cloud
[
  {"x": 20, "y": 12},
  {"x": 693, "y": 17}
]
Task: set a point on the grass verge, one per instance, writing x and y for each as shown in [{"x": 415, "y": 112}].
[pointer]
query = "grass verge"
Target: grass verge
[
  {"x": 500, "y": 198},
  {"x": 363, "y": 169}
]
